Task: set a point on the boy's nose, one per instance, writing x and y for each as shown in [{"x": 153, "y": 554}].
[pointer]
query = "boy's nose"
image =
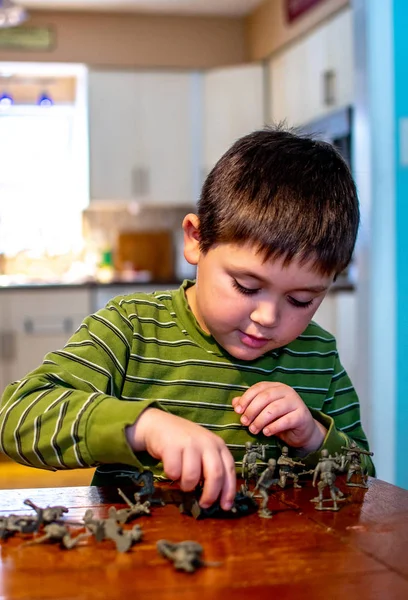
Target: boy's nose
[{"x": 266, "y": 314}]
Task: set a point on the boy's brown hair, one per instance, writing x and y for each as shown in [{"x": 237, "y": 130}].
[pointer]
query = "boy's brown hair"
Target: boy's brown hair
[{"x": 290, "y": 195}]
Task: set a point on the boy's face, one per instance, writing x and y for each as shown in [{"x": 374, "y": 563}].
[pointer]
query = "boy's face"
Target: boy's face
[{"x": 249, "y": 306}]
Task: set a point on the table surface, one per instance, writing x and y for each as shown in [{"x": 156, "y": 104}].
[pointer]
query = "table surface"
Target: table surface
[{"x": 359, "y": 552}]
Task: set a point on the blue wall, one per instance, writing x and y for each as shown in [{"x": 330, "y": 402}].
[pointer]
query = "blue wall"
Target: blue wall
[{"x": 400, "y": 37}]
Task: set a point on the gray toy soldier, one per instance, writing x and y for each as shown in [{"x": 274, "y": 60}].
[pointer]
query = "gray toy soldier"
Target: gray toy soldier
[
  {"x": 326, "y": 468},
  {"x": 352, "y": 457},
  {"x": 186, "y": 556},
  {"x": 249, "y": 462},
  {"x": 50, "y": 514},
  {"x": 264, "y": 483},
  {"x": 12, "y": 524},
  {"x": 57, "y": 532},
  {"x": 286, "y": 466},
  {"x": 124, "y": 515},
  {"x": 110, "y": 529}
]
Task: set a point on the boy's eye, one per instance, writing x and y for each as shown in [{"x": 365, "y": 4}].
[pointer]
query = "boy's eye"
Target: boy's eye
[
  {"x": 242, "y": 289},
  {"x": 298, "y": 303}
]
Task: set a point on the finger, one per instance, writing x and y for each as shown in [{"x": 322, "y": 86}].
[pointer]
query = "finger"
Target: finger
[
  {"x": 268, "y": 397},
  {"x": 287, "y": 422},
  {"x": 241, "y": 402},
  {"x": 269, "y": 414},
  {"x": 229, "y": 489},
  {"x": 172, "y": 463},
  {"x": 214, "y": 477},
  {"x": 191, "y": 469}
]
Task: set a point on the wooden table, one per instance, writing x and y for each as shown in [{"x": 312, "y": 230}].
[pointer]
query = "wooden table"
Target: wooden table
[{"x": 360, "y": 552}]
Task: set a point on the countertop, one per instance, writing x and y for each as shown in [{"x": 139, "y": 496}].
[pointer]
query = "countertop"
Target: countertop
[
  {"x": 89, "y": 284},
  {"x": 358, "y": 553},
  {"x": 338, "y": 286}
]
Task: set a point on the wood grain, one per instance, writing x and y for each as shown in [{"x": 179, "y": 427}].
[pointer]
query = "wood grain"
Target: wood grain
[{"x": 358, "y": 553}]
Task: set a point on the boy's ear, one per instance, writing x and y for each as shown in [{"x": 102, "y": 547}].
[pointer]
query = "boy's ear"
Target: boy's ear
[{"x": 191, "y": 224}]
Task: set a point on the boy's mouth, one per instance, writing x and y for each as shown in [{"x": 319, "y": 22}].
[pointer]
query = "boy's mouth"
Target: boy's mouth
[{"x": 251, "y": 341}]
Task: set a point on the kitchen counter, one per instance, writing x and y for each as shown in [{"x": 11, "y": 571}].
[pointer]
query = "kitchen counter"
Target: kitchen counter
[
  {"x": 338, "y": 286},
  {"x": 91, "y": 284}
]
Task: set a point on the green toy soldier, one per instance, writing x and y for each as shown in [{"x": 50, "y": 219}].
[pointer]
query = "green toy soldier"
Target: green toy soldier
[
  {"x": 253, "y": 452},
  {"x": 58, "y": 533},
  {"x": 124, "y": 515},
  {"x": 264, "y": 483},
  {"x": 353, "y": 459},
  {"x": 286, "y": 466},
  {"x": 186, "y": 556},
  {"x": 326, "y": 468}
]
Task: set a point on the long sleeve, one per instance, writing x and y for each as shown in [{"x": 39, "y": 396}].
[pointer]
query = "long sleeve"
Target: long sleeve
[
  {"x": 68, "y": 412},
  {"x": 340, "y": 414}
]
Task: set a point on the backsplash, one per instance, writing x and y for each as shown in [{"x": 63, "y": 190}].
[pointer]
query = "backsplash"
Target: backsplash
[{"x": 103, "y": 223}]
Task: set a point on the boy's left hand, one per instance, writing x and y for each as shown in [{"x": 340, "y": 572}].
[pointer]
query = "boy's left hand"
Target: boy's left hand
[{"x": 276, "y": 409}]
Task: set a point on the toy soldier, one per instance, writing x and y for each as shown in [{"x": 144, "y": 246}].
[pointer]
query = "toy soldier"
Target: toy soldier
[
  {"x": 286, "y": 466},
  {"x": 13, "y": 524},
  {"x": 57, "y": 532},
  {"x": 249, "y": 462},
  {"x": 123, "y": 515},
  {"x": 326, "y": 468},
  {"x": 124, "y": 539},
  {"x": 264, "y": 483},
  {"x": 143, "y": 479},
  {"x": 186, "y": 556},
  {"x": 95, "y": 526},
  {"x": 353, "y": 456},
  {"x": 110, "y": 529},
  {"x": 47, "y": 515}
]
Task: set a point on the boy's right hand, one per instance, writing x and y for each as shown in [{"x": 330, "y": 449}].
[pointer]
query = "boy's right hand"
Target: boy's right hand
[{"x": 188, "y": 452}]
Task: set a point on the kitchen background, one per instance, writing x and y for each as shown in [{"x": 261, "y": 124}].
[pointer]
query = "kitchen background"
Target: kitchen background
[{"x": 111, "y": 115}]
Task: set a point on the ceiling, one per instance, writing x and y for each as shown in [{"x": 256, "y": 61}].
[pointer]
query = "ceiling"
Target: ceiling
[{"x": 231, "y": 8}]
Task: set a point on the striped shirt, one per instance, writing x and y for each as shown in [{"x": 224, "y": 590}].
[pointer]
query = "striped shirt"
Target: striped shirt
[{"x": 147, "y": 350}]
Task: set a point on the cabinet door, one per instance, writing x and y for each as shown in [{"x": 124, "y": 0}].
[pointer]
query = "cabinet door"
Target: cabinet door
[
  {"x": 142, "y": 136},
  {"x": 40, "y": 321},
  {"x": 101, "y": 295},
  {"x": 116, "y": 135},
  {"x": 337, "y": 314},
  {"x": 233, "y": 107},
  {"x": 6, "y": 342},
  {"x": 300, "y": 76},
  {"x": 288, "y": 86},
  {"x": 168, "y": 129},
  {"x": 340, "y": 59}
]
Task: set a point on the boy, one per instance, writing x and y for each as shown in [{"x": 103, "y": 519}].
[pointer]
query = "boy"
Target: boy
[{"x": 188, "y": 377}]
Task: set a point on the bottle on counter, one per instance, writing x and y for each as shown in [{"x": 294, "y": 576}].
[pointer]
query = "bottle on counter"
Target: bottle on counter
[{"x": 106, "y": 270}]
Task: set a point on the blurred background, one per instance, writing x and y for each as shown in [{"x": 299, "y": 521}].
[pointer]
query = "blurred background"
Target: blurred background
[{"x": 113, "y": 112}]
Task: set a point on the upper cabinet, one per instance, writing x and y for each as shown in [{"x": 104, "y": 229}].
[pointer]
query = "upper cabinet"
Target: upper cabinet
[
  {"x": 233, "y": 106},
  {"x": 314, "y": 76},
  {"x": 143, "y": 140}
]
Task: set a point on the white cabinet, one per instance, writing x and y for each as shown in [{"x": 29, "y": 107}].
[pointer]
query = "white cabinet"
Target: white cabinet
[
  {"x": 102, "y": 294},
  {"x": 143, "y": 141},
  {"x": 337, "y": 314},
  {"x": 34, "y": 322},
  {"x": 233, "y": 107},
  {"x": 314, "y": 76}
]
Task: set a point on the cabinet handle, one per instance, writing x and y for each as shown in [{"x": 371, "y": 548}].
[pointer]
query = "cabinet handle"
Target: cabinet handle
[
  {"x": 47, "y": 327},
  {"x": 136, "y": 181},
  {"x": 140, "y": 181},
  {"x": 7, "y": 346},
  {"x": 329, "y": 87}
]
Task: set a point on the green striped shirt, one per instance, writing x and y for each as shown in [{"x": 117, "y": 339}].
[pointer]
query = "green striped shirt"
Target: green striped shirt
[{"x": 148, "y": 350}]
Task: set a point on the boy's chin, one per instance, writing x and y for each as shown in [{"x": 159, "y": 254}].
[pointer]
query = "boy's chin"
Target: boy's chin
[{"x": 244, "y": 353}]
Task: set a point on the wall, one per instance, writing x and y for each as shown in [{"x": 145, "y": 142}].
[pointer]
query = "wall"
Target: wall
[
  {"x": 267, "y": 30},
  {"x": 133, "y": 41}
]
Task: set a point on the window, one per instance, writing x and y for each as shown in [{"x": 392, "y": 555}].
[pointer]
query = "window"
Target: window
[{"x": 43, "y": 178}]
